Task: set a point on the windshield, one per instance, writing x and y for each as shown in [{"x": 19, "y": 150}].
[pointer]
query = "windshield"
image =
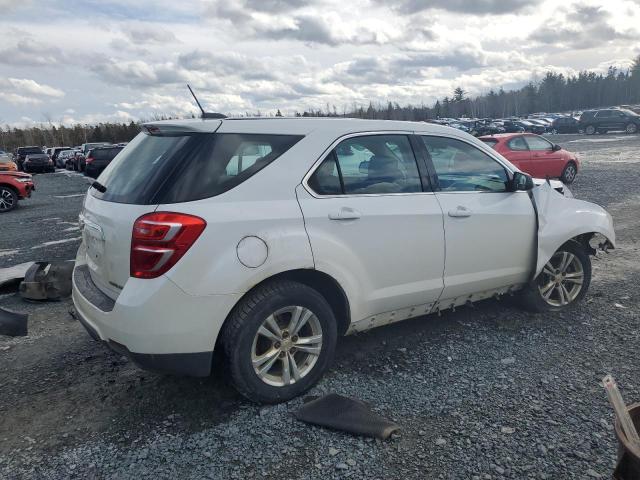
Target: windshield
[{"x": 187, "y": 167}]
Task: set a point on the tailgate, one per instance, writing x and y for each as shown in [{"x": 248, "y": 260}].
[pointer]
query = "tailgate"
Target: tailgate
[{"x": 107, "y": 239}]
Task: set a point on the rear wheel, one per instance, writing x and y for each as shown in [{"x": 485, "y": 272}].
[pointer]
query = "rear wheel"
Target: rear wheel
[
  {"x": 631, "y": 128},
  {"x": 563, "y": 282},
  {"x": 590, "y": 130},
  {"x": 279, "y": 341},
  {"x": 8, "y": 199},
  {"x": 569, "y": 173}
]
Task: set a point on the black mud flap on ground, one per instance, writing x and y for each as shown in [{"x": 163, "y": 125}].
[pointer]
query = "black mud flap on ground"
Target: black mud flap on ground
[
  {"x": 346, "y": 414},
  {"x": 13, "y": 324},
  {"x": 47, "y": 281}
]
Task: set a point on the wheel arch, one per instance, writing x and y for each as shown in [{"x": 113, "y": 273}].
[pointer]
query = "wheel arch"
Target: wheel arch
[
  {"x": 323, "y": 283},
  {"x": 11, "y": 187},
  {"x": 584, "y": 238}
]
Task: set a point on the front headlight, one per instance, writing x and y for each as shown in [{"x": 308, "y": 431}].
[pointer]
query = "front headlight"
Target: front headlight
[{"x": 23, "y": 180}]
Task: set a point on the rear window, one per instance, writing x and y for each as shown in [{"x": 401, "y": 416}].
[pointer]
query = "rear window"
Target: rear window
[
  {"x": 182, "y": 168},
  {"x": 492, "y": 142},
  {"x": 29, "y": 150},
  {"x": 105, "y": 153}
]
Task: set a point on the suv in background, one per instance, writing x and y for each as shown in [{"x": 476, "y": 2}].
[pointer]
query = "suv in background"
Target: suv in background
[
  {"x": 88, "y": 146},
  {"x": 98, "y": 159},
  {"x": 267, "y": 239},
  {"x": 22, "y": 152},
  {"x": 608, "y": 119}
]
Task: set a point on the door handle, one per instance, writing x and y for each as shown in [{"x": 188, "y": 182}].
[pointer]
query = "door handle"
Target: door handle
[
  {"x": 345, "y": 213},
  {"x": 460, "y": 212}
]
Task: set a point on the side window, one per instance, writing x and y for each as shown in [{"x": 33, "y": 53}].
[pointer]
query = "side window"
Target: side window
[
  {"x": 538, "y": 143},
  {"x": 326, "y": 179},
  {"x": 374, "y": 164},
  {"x": 461, "y": 167},
  {"x": 246, "y": 156},
  {"x": 518, "y": 144}
]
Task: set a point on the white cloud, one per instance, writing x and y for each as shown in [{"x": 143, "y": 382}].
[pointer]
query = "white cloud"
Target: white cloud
[{"x": 249, "y": 55}]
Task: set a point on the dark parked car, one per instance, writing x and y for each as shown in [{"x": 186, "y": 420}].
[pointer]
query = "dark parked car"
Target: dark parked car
[
  {"x": 63, "y": 158},
  {"x": 566, "y": 125},
  {"x": 55, "y": 151},
  {"x": 531, "y": 127},
  {"x": 22, "y": 152},
  {"x": 602, "y": 121},
  {"x": 511, "y": 127},
  {"x": 98, "y": 159},
  {"x": 38, "y": 162},
  {"x": 485, "y": 127},
  {"x": 76, "y": 162}
]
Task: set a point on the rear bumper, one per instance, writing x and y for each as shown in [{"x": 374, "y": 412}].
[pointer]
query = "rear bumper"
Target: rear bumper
[
  {"x": 153, "y": 322},
  {"x": 191, "y": 364}
]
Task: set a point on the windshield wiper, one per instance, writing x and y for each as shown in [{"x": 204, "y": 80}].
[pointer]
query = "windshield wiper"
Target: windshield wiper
[{"x": 98, "y": 186}]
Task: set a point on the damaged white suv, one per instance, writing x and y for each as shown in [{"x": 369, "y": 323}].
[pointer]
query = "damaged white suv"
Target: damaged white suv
[{"x": 266, "y": 239}]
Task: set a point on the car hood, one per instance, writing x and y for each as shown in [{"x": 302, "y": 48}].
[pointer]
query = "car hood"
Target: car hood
[
  {"x": 15, "y": 174},
  {"x": 557, "y": 185}
]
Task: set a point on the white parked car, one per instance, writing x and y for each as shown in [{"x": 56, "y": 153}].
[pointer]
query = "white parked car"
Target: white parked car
[{"x": 270, "y": 238}]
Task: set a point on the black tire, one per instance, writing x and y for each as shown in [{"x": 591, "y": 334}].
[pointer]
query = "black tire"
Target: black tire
[
  {"x": 242, "y": 326},
  {"x": 531, "y": 297},
  {"x": 631, "y": 128},
  {"x": 590, "y": 130},
  {"x": 8, "y": 199},
  {"x": 569, "y": 173}
]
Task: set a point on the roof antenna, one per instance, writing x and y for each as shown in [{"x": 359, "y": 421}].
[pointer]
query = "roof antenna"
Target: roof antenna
[{"x": 205, "y": 114}]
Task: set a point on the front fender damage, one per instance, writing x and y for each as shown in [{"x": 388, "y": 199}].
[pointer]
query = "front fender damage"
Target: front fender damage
[{"x": 561, "y": 219}]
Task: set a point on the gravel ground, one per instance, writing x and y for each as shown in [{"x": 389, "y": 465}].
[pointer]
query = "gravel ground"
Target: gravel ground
[{"x": 488, "y": 392}]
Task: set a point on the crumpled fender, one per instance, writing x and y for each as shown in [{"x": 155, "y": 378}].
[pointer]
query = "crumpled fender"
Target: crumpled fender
[{"x": 561, "y": 218}]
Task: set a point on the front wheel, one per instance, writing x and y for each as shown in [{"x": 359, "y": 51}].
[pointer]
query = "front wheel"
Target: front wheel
[
  {"x": 8, "y": 199},
  {"x": 569, "y": 173},
  {"x": 563, "y": 282},
  {"x": 631, "y": 128},
  {"x": 279, "y": 341},
  {"x": 590, "y": 130}
]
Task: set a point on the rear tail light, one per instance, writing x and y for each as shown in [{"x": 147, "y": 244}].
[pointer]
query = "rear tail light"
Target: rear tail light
[{"x": 160, "y": 239}]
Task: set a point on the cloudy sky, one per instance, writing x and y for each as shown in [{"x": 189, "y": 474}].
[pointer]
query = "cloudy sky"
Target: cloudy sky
[{"x": 99, "y": 60}]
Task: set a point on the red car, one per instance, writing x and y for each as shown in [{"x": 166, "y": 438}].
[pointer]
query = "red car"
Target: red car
[
  {"x": 535, "y": 155},
  {"x": 14, "y": 186}
]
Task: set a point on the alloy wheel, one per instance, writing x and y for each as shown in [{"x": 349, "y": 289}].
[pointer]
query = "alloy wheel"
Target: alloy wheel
[
  {"x": 632, "y": 128},
  {"x": 569, "y": 173},
  {"x": 6, "y": 199},
  {"x": 561, "y": 279},
  {"x": 286, "y": 346}
]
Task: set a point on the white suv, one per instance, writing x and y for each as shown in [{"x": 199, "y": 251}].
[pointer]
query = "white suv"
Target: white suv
[{"x": 269, "y": 238}]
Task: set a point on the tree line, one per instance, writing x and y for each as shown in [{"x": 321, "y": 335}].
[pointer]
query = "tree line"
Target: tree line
[{"x": 554, "y": 93}]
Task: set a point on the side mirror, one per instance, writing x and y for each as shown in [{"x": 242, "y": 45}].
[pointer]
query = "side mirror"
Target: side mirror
[
  {"x": 521, "y": 182},
  {"x": 556, "y": 147},
  {"x": 364, "y": 167}
]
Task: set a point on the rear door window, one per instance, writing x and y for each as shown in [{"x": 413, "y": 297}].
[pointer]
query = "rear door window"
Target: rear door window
[
  {"x": 372, "y": 164},
  {"x": 518, "y": 144},
  {"x": 187, "y": 167}
]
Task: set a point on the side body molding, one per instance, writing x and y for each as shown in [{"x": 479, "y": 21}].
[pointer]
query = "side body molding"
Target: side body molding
[{"x": 561, "y": 218}]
